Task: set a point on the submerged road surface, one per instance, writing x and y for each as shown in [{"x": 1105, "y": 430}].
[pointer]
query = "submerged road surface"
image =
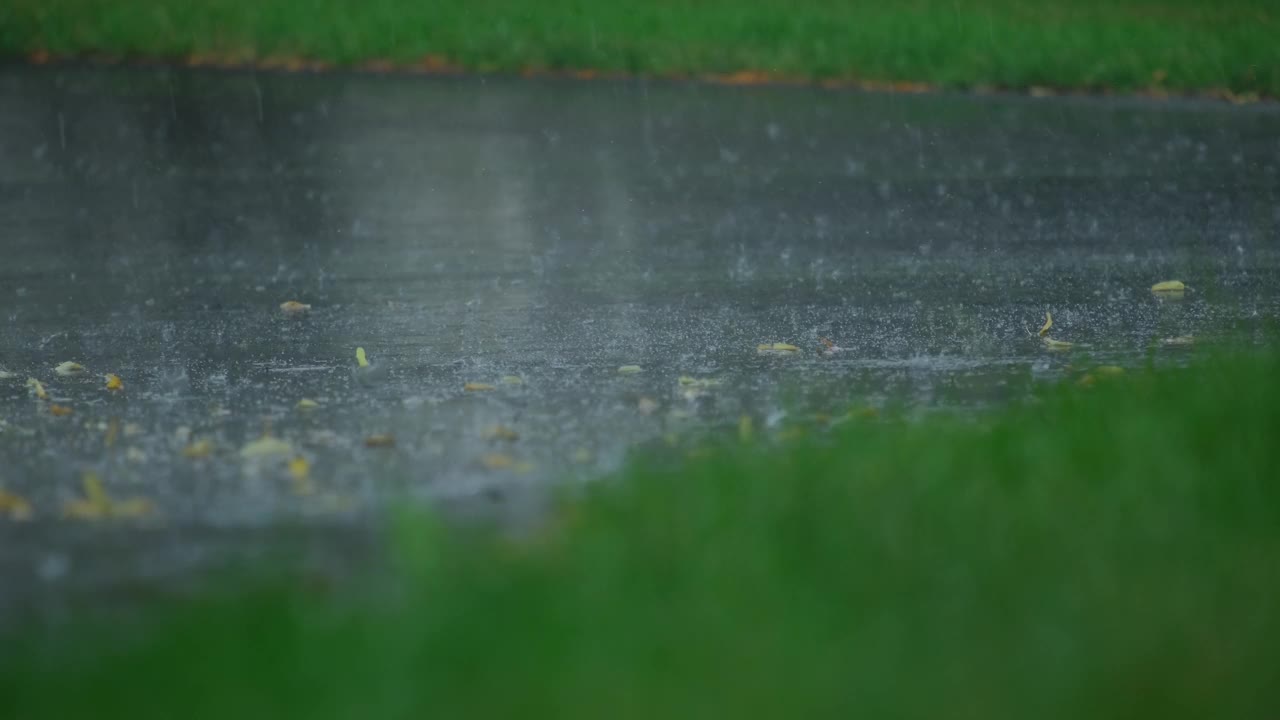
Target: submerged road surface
[{"x": 500, "y": 248}]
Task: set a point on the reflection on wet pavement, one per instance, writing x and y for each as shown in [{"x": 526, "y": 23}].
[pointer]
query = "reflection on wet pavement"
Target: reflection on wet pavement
[{"x": 531, "y": 238}]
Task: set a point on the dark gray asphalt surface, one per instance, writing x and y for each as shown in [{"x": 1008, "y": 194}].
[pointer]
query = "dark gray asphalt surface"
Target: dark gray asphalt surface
[{"x": 471, "y": 230}]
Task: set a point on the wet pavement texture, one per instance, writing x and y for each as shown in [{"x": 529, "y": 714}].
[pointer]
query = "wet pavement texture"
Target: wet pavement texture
[{"x": 535, "y": 236}]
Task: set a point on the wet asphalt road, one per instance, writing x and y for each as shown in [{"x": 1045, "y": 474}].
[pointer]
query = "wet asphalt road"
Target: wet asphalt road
[{"x": 534, "y": 236}]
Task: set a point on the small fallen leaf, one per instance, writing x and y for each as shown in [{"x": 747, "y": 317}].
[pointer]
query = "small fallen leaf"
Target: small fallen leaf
[
  {"x": 365, "y": 372},
  {"x": 829, "y": 347},
  {"x": 293, "y": 307},
  {"x": 1052, "y": 344},
  {"x": 1109, "y": 370},
  {"x": 1169, "y": 286},
  {"x": 37, "y": 388},
  {"x": 114, "y": 383},
  {"x": 14, "y": 506},
  {"x": 265, "y": 447},
  {"x": 96, "y": 504},
  {"x": 93, "y": 489},
  {"x": 497, "y": 461},
  {"x": 692, "y": 382},
  {"x": 778, "y": 348},
  {"x": 299, "y": 468},
  {"x": 1048, "y": 323},
  {"x": 647, "y": 405},
  {"x": 132, "y": 508},
  {"x": 69, "y": 369},
  {"x": 306, "y": 405},
  {"x": 383, "y": 440},
  {"x": 512, "y": 380},
  {"x": 82, "y": 510},
  {"x": 501, "y": 432},
  {"x": 60, "y": 410},
  {"x": 478, "y": 387},
  {"x": 6, "y": 375},
  {"x": 199, "y": 449},
  {"x": 630, "y": 370}
]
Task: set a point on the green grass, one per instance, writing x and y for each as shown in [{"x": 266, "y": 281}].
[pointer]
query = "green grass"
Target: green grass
[
  {"x": 1094, "y": 44},
  {"x": 1106, "y": 552}
]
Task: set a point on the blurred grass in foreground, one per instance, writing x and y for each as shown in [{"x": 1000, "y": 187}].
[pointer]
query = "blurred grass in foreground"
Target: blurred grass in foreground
[
  {"x": 1094, "y": 44},
  {"x": 1108, "y": 552}
]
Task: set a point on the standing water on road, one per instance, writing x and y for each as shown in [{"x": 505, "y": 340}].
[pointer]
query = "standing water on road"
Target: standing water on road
[{"x": 531, "y": 268}]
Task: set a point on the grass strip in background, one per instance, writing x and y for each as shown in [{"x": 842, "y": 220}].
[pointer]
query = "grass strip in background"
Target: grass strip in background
[
  {"x": 1107, "y": 552},
  {"x": 1176, "y": 45}
]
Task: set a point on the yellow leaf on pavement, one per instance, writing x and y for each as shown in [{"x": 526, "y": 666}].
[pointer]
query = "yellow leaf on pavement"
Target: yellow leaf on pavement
[
  {"x": 777, "y": 348},
  {"x": 1048, "y": 323},
  {"x": 69, "y": 369},
  {"x": 198, "y": 449},
  {"x": 299, "y": 468},
  {"x": 265, "y": 447},
  {"x": 132, "y": 508},
  {"x": 15, "y": 507},
  {"x": 501, "y": 432},
  {"x": 97, "y": 504},
  {"x": 93, "y": 489}
]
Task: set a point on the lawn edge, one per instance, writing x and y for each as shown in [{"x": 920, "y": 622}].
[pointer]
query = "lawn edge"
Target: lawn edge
[{"x": 438, "y": 66}]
